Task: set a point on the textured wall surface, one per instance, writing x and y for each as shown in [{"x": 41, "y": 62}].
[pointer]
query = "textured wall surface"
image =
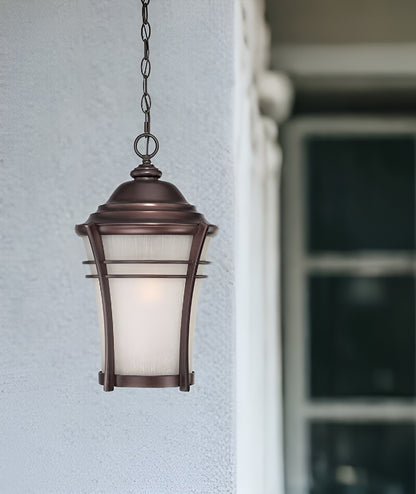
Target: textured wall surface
[{"x": 69, "y": 99}]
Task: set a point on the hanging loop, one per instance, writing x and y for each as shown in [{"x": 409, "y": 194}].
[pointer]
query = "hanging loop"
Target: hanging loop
[{"x": 146, "y": 156}]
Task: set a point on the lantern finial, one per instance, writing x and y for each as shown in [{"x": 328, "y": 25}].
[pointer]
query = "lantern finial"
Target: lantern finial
[{"x": 146, "y": 171}]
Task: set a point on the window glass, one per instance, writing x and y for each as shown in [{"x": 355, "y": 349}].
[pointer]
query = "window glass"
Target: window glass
[
  {"x": 360, "y": 193},
  {"x": 361, "y": 333},
  {"x": 362, "y": 458}
]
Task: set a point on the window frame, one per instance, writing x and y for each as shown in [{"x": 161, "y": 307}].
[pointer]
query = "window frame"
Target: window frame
[{"x": 299, "y": 409}]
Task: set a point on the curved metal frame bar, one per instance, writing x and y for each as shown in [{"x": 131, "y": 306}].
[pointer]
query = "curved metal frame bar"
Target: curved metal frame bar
[
  {"x": 195, "y": 254},
  {"x": 98, "y": 251}
]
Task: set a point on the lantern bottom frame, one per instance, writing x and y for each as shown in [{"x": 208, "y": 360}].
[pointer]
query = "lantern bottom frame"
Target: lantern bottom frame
[{"x": 129, "y": 381}]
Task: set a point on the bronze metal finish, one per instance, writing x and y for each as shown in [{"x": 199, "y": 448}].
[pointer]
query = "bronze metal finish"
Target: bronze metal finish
[
  {"x": 98, "y": 251},
  {"x": 146, "y": 206},
  {"x": 196, "y": 249},
  {"x": 169, "y": 276},
  {"x": 150, "y": 207},
  {"x": 146, "y": 381},
  {"x": 139, "y": 261}
]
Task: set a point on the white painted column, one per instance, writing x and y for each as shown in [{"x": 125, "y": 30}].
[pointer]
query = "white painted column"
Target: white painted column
[{"x": 257, "y": 161}]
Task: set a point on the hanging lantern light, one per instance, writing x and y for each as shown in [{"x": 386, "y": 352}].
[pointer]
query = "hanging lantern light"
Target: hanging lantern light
[{"x": 146, "y": 249}]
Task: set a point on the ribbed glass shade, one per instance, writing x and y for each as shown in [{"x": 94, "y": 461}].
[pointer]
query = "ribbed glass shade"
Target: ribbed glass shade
[{"x": 146, "y": 312}]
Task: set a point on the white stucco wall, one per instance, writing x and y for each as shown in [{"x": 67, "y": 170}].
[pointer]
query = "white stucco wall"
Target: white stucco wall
[{"x": 69, "y": 93}]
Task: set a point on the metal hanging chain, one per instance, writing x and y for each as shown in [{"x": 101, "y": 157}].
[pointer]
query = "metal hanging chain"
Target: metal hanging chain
[
  {"x": 145, "y": 66},
  {"x": 146, "y": 101}
]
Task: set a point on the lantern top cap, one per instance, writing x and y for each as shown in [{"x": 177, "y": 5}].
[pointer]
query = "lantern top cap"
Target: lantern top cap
[
  {"x": 144, "y": 203},
  {"x": 146, "y": 171}
]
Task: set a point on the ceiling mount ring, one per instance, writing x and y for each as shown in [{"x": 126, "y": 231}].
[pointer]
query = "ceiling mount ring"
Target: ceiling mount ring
[{"x": 148, "y": 136}]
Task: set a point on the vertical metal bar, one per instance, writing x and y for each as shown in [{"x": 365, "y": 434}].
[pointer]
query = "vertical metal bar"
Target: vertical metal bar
[
  {"x": 195, "y": 254},
  {"x": 98, "y": 251}
]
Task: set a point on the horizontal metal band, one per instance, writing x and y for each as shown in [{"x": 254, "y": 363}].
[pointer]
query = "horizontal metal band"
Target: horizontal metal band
[
  {"x": 151, "y": 228},
  {"x": 173, "y": 276},
  {"x": 146, "y": 381},
  {"x": 146, "y": 225},
  {"x": 145, "y": 262}
]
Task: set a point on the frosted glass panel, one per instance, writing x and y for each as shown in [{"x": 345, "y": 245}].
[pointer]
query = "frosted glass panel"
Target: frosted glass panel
[
  {"x": 146, "y": 322},
  {"x": 147, "y": 247},
  {"x": 88, "y": 249},
  {"x": 90, "y": 256},
  {"x": 100, "y": 313},
  {"x": 97, "y": 291},
  {"x": 147, "y": 312},
  {"x": 170, "y": 269},
  {"x": 192, "y": 323}
]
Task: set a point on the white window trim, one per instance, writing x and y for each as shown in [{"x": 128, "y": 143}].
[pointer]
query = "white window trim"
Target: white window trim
[
  {"x": 298, "y": 410},
  {"x": 369, "y": 59}
]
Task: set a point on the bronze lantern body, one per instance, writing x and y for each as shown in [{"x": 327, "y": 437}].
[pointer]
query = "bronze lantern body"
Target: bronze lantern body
[
  {"x": 146, "y": 206},
  {"x": 139, "y": 273}
]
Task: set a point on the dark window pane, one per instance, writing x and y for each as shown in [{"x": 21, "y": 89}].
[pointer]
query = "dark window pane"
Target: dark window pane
[
  {"x": 361, "y": 193},
  {"x": 362, "y": 458},
  {"x": 362, "y": 340}
]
